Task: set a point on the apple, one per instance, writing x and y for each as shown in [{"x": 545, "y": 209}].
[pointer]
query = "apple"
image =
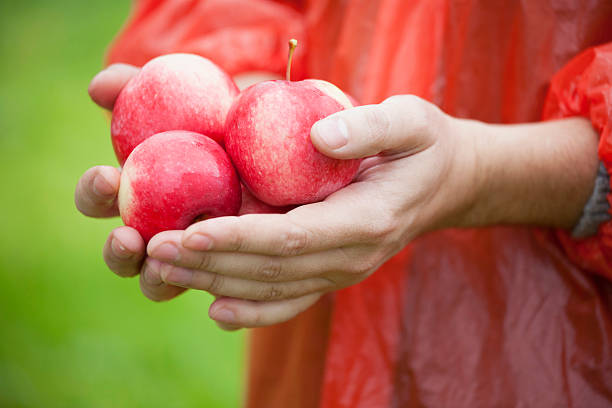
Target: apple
[
  {"x": 333, "y": 91},
  {"x": 251, "y": 205},
  {"x": 174, "y": 179},
  {"x": 268, "y": 140},
  {"x": 172, "y": 92}
]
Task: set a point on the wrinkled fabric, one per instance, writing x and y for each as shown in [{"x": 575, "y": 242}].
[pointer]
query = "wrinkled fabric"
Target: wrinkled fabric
[
  {"x": 238, "y": 35},
  {"x": 584, "y": 88},
  {"x": 491, "y": 317}
]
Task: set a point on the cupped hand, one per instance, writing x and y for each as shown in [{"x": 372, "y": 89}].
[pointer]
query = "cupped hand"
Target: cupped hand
[
  {"x": 265, "y": 269},
  {"x": 96, "y": 196}
]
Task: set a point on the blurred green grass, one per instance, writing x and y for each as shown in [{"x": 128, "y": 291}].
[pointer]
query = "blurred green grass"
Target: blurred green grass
[{"x": 71, "y": 333}]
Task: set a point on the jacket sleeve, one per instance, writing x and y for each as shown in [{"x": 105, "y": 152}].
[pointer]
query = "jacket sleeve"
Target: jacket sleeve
[
  {"x": 238, "y": 35},
  {"x": 584, "y": 88}
]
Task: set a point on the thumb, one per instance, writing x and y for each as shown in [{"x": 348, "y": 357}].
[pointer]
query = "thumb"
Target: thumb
[
  {"x": 400, "y": 124},
  {"x": 106, "y": 85}
]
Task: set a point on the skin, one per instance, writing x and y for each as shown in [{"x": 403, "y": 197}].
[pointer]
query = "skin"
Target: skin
[{"x": 431, "y": 171}]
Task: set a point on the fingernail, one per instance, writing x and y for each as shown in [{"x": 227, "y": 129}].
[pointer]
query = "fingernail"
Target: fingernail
[
  {"x": 332, "y": 132},
  {"x": 105, "y": 71},
  {"x": 96, "y": 78},
  {"x": 102, "y": 186},
  {"x": 167, "y": 251},
  {"x": 223, "y": 315},
  {"x": 198, "y": 242},
  {"x": 149, "y": 275},
  {"x": 119, "y": 250},
  {"x": 177, "y": 276}
]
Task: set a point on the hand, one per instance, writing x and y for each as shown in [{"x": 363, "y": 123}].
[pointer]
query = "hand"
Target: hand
[
  {"x": 424, "y": 170},
  {"x": 97, "y": 189},
  {"x": 274, "y": 266},
  {"x": 96, "y": 196}
]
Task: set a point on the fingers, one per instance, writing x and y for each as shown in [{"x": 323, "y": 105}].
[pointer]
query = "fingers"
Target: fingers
[
  {"x": 306, "y": 229},
  {"x": 271, "y": 234},
  {"x": 231, "y": 314},
  {"x": 166, "y": 248},
  {"x": 220, "y": 285},
  {"x": 124, "y": 251},
  {"x": 96, "y": 192},
  {"x": 400, "y": 124},
  {"x": 106, "y": 85},
  {"x": 154, "y": 288}
]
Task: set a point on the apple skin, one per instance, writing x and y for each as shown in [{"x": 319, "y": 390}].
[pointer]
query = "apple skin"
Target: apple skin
[
  {"x": 175, "y": 178},
  {"x": 251, "y": 205},
  {"x": 332, "y": 90},
  {"x": 268, "y": 139},
  {"x": 174, "y": 91}
]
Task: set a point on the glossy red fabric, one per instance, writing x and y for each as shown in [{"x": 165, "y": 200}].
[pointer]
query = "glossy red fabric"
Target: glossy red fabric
[
  {"x": 495, "y": 317},
  {"x": 584, "y": 87}
]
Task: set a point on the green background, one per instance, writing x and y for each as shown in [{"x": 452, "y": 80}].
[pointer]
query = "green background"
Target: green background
[{"x": 72, "y": 334}]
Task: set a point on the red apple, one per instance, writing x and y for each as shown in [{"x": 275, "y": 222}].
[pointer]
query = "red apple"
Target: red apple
[
  {"x": 268, "y": 139},
  {"x": 175, "y": 178},
  {"x": 333, "y": 91},
  {"x": 172, "y": 92},
  {"x": 251, "y": 205}
]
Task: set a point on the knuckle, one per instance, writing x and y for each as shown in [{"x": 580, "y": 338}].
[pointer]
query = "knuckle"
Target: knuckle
[
  {"x": 378, "y": 123},
  {"x": 236, "y": 235},
  {"x": 204, "y": 262},
  {"x": 271, "y": 292},
  {"x": 384, "y": 226},
  {"x": 415, "y": 111},
  {"x": 236, "y": 242},
  {"x": 363, "y": 267},
  {"x": 216, "y": 284},
  {"x": 270, "y": 271},
  {"x": 165, "y": 271},
  {"x": 294, "y": 241}
]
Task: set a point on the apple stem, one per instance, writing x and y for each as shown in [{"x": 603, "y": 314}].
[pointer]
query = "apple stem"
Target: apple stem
[{"x": 292, "y": 45}]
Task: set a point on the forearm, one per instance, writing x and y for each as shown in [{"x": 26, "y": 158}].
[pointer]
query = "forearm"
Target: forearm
[{"x": 533, "y": 174}]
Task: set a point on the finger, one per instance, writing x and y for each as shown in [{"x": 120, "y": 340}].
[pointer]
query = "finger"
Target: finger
[
  {"x": 225, "y": 326},
  {"x": 106, "y": 85},
  {"x": 228, "y": 327},
  {"x": 220, "y": 285},
  {"x": 236, "y": 313},
  {"x": 402, "y": 123},
  {"x": 153, "y": 287},
  {"x": 306, "y": 229},
  {"x": 124, "y": 251},
  {"x": 166, "y": 247},
  {"x": 96, "y": 192}
]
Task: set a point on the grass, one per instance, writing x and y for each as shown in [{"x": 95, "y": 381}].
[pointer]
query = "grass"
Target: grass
[{"x": 71, "y": 333}]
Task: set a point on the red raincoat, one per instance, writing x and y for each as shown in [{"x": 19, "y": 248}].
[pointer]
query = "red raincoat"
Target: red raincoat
[{"x": 493, "y": 317}]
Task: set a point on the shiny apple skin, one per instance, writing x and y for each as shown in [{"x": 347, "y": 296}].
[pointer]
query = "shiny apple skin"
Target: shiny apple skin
[
  {"x": 175, "y": 178},
  {"x": 172, "y": 92},
  {"x": 268, "y": 139}
]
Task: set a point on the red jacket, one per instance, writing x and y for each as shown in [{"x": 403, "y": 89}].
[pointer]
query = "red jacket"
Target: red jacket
[{"x": 493, "y": 317}]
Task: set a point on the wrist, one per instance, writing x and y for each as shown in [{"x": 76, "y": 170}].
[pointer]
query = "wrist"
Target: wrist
[
  {"x": 532, "y": 174},
  {"x": 469, "y": 179},
  {"x": 461, "y": 184}
]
